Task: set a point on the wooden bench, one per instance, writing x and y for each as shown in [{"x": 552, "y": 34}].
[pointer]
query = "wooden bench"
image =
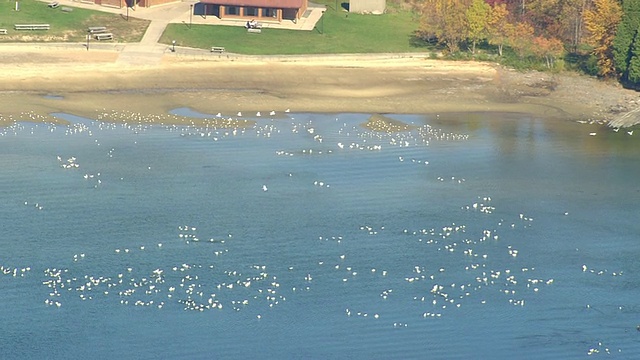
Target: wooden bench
[
  {"x": 103, "y": 36},
  {"x": 31, "y": 26},
  {"x": 97, "y": 29},
  {"x": 3, "y": 31},
  {"x": 255, "y": 31},
  {"x": 217, "y": 49}
]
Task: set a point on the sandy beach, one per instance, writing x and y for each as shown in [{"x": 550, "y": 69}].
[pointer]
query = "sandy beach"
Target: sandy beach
[{"x": 88, "y": 82}]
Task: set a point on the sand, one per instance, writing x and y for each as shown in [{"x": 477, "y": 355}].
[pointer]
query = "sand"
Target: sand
[{"x": 87, "y": 83}]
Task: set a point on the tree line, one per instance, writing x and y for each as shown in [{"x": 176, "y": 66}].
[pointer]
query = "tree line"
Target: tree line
[{"x": 543, "y": 29}]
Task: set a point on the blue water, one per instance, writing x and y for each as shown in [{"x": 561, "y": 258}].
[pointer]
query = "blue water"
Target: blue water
[{"x": 473, "y": 236}]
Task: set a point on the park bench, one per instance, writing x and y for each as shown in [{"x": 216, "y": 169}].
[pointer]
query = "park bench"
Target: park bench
[
  {"x": 217, "y": 49},
  {"x": 31, "y": 26},
  {"x": 97, "y": 29},
  {"x": 66, "y": 9},
  {"x": 255, "y": 31},
  {"x": 103, "y": 36},
  {"x": 3, "y": 31},
  {"x": 53, "y": 5}
]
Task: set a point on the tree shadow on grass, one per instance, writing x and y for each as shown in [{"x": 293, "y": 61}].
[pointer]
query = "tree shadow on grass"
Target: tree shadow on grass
[{"x": 417, "y": 40}]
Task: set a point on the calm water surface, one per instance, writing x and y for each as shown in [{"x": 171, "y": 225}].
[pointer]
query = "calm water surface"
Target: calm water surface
[{"x": 474, "y": 236}]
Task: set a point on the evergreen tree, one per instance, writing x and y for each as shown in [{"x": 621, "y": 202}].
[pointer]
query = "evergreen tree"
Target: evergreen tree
[
  {"x": 633, "y": 72},
  {"x": 625, "y": 35}
]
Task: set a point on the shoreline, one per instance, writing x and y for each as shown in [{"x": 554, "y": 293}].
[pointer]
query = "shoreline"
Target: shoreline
[{"x": 87, "y": 82}]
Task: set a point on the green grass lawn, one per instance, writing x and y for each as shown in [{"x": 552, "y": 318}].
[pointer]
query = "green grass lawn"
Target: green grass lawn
[
  {"x": 336, "y": 33},
  {"x": 65, "y": 26}
]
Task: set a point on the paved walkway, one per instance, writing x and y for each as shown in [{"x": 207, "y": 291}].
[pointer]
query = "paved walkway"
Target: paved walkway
[{"x": 149, "y": 51}]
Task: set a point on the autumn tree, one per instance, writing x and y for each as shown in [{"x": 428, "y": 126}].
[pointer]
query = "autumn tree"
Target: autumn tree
[
  {"x": 571, "y": 21},
  {"x": 601, "y": 22},
  {"x": 443, "y": 19},
  {"x": 560, "y": 19},
  {"x": 544, "y": 16},
  {"x": 519, "y": 37},
  {"x": 497, "y": 26},
  {"x": 547, "y": 48},
  {"x": 477, "y": 18}
]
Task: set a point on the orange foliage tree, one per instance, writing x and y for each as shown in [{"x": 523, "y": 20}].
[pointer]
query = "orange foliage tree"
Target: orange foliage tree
[
  {"x": 547, "y": 48},
  {"x": 497, "y": 26},
  {"x": 519, "y": 37},
  {"x": 602, "y": 22}
]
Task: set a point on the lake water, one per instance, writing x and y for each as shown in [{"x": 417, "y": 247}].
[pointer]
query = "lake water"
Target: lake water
[{"x": 473, "y": 236}]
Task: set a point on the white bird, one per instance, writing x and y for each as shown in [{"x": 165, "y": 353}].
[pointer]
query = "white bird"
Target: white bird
[
  {"x": 630, "y": 132},
  {"x": 287, "y": 110},
  {"x": 219, "y": 115},
  {"x": 264, "y": 188},
  {"x": 592, "y": 134},
  {"x": 258, "y": 114},
  {"x": 239, "y": 113},
  {"x": 272, "y": 113}
]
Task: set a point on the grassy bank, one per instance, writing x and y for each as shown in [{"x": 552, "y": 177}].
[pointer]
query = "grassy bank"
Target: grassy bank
[
  {"x": 66, "y": 26},
  {"x": 337, "y": 32}
]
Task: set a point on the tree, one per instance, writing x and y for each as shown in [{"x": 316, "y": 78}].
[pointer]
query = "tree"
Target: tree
[
  {"x": 601, "y": 22},
  {"x": 544, "y": 16},
  {"x": 443, "y": 19},
  {"x": 633, "y": 71},
  {"x": 497, "y": 26},
  {"x": 625, "y": 35},
  {"x": 520, "y": 37},
  {"x": 571, "y": 21},
  {"x": 477, "y": 17},
  {"x": 549, "y": 49},
  {"x": 560, "y": 19}
]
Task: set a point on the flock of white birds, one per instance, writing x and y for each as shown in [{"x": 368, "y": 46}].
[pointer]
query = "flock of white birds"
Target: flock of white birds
[{"x": 259, "y": 287}]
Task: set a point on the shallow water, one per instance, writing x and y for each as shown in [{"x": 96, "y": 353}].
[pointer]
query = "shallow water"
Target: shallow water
[{"x": 474, "y": 236}]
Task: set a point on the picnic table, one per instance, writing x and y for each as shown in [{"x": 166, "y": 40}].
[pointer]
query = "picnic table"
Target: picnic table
[
  {"x": 103, "y": 36},
  {"x": 31, "y": 26},
  {"x": 97, "y": 29}
]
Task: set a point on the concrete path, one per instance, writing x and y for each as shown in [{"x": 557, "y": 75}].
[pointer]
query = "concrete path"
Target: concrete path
[{"x": 148, "y": 51}]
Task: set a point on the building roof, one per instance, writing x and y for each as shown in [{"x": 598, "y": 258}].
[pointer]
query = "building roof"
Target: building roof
[{"x": 283, "y": 4}]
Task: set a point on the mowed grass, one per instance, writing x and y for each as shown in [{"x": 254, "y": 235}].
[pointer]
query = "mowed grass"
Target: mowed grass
[
  {"x": 65, "y": 26},
  {"x": 338, "y": 32}
]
